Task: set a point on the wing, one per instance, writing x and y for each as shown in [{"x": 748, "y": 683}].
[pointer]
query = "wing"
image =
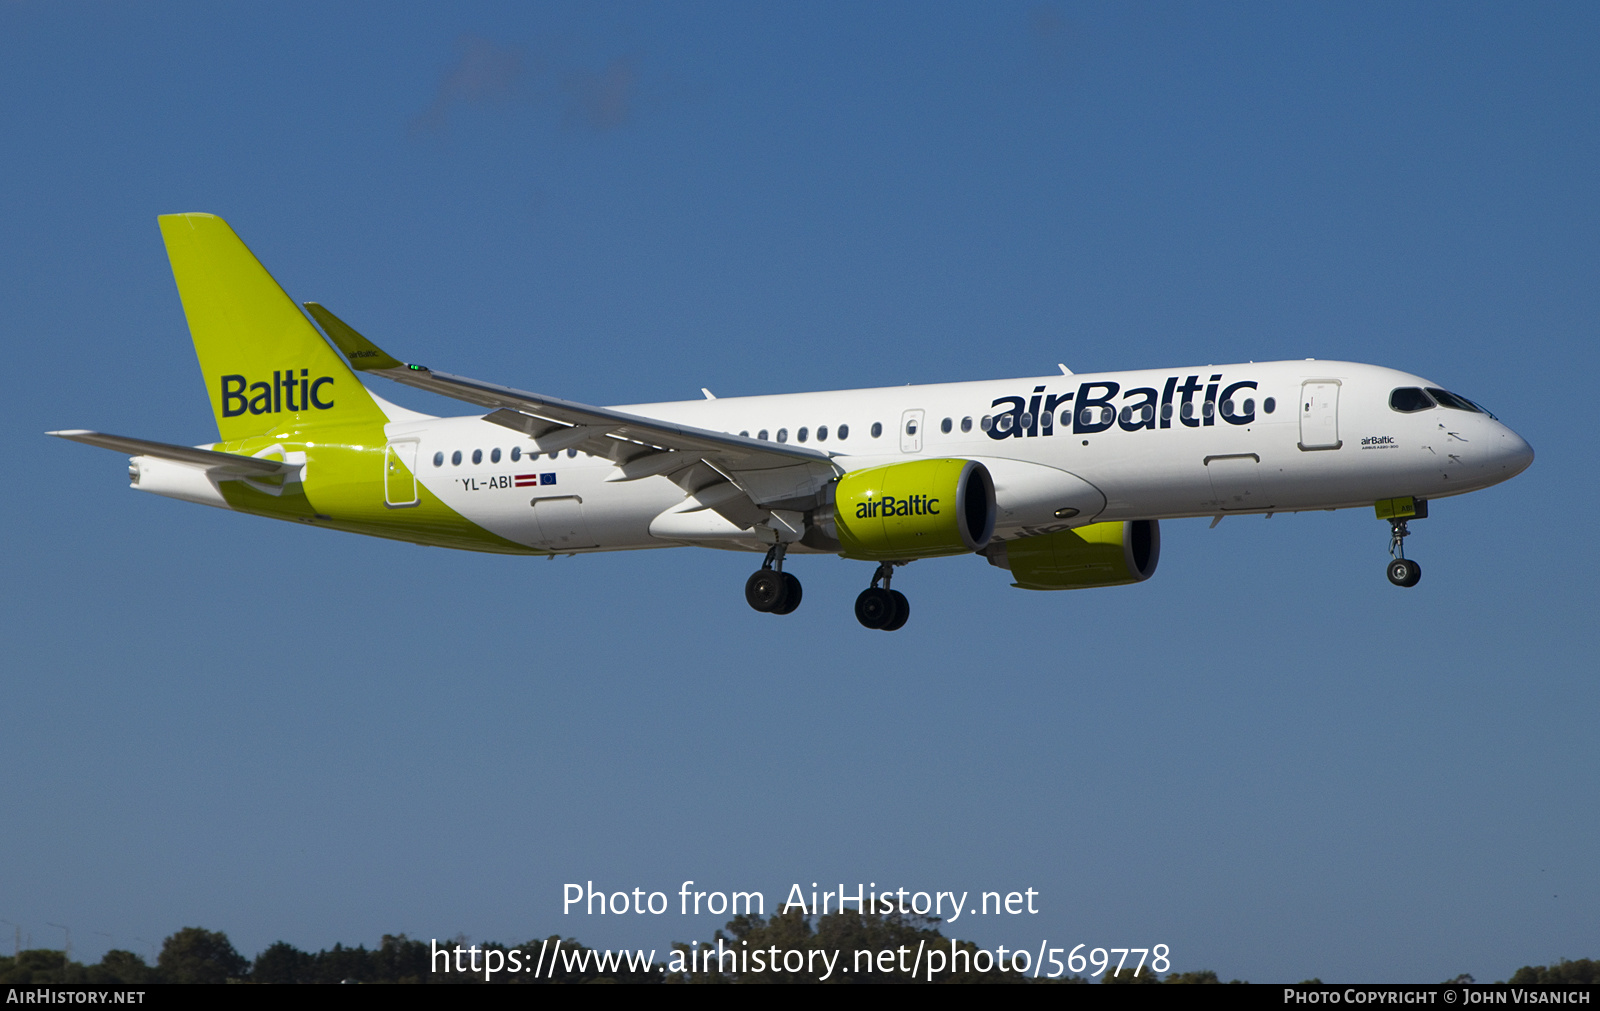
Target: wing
[
  {"x": 222, "y": 464},
  {"x": 773, "y": 476}
]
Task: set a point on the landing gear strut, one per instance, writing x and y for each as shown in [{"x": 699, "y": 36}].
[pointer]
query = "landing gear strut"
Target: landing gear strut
[
  {"x": 1402, "y": 570},
  {"x": 770, "y": 589},
  {"x": 879, "y": 606}
]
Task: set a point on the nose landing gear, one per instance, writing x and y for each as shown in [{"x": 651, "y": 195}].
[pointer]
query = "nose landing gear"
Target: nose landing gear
[
  {"x": 1402, "y": 571},
  {"x": 770, "y": 589},
  {"x": 881, "y": 607}
]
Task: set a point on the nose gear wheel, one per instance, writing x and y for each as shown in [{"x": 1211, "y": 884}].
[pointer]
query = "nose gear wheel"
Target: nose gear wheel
[{"x": 1402, "y": 571}]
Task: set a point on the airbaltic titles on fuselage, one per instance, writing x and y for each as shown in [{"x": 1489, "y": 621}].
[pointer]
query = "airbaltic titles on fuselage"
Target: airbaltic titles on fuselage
[{"x": 1093, "y": 410}]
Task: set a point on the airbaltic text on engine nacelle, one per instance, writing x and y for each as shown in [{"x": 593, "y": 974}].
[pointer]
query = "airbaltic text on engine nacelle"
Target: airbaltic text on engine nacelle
[{"x": 917, "y": 509}]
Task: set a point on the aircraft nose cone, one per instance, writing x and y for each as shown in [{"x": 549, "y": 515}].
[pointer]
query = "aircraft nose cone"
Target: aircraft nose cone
[{"x": 1515, "y": 453}]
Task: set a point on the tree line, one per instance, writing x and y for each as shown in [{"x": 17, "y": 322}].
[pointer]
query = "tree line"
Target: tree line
[{"x": 197, "y": 955}]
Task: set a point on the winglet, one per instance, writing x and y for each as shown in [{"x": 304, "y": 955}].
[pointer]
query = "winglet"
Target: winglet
[{"x": 364, "y": 355}]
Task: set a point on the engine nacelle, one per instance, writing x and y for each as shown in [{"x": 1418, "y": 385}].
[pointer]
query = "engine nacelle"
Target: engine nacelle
[
  {"x": 1100, "y": 554},
  {"x": 916, "y": 509}
]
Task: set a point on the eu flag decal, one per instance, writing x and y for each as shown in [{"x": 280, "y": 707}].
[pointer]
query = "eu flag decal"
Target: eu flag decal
[{"x": 547, "y": 479}]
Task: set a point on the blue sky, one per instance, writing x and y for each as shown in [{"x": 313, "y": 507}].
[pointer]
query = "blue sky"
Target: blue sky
[{"x": 1266, "y": 757}]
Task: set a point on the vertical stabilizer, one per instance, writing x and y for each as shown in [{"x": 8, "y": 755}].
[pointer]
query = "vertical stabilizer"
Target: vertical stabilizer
[{"x": 266, "y": 367}]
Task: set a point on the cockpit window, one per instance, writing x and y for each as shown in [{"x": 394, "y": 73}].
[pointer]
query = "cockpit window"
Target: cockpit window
[
  {"x": 1450, "y": 400},
  {"x": 1409, "y": 400}
]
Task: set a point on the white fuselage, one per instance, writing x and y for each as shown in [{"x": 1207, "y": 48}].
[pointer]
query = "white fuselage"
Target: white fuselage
[{"x": 1180, "y": 442}]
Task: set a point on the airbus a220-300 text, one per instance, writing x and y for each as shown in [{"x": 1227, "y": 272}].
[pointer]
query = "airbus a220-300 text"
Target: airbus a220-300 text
[{"x": 1061, "y": 479}]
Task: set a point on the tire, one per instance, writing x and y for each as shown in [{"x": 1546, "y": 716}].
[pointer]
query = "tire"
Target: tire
[
  {"x": 874, "y": 607},
  {"x": 1404, "y": 572},
  {"x": 902, "y": 612},
  {"x": 765, "y": 590},
  {"x": 1416, "y": 573},
  {"x": 791, "y": 595}
]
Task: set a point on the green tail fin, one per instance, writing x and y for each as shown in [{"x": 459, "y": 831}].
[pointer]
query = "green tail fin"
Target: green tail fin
[{"x": 266, "y": 367}]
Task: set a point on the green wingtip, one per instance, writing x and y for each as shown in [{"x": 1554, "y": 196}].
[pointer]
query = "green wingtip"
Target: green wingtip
[{"x": 364, "y": 355}]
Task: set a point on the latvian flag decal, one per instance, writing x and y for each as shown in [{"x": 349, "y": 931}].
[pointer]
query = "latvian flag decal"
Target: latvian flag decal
[{"x": 529, "y": 480}]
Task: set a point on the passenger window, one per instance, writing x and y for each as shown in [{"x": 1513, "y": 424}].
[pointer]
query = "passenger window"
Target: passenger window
[
  {"x": 911, "y": 427},
  {"x": 572, "y": 454},
  {"x": 822, "y": 433},
  {"x": 877, "y": 429},
  {"x": 1147, "y": 414},
  {"x": 783, "y": 435},
  {"x": 844, "y": 432},
  {"x": 1249, "y": 406},
  {"x": 744, "y": 434},
  {"x": 1047, "y": 422},
  {"x": 1166, "y": 412},
  {"x": 1208, "y": 409},
  {"x": 455, "y": 458},
  {"x": 801, "y": 435},
  {"x": 1227, "y": 408},
  {"x": 946, "y": 425},
  {"x": 1269, "y": 405},
  {"x": 516, "y": 453},
  {"x": 987, "y": 422},
  {"x": 1186, "y": 411},
  {"x": 494, "y": 455},
  {"x": 438, "y": 459},
  {"x": 477, "y": 456},
  {"x": 762, "y": 435},
  {"x": 966, "y": 424}
]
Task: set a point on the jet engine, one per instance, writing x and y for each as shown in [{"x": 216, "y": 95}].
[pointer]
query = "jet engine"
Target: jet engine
[
  {"x": 916, "y": 509},
  {"x": 1100, "y": 554}
]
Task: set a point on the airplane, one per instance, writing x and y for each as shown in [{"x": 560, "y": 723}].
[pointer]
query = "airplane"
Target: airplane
[{"x": 1060, "y": 479}]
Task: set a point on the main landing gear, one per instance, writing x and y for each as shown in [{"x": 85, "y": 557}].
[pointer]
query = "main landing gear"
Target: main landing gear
[
  {"x": 880, "y": 607},
  {"x": 1402, "y": 570},
  {"x": 774, "y": 591},
  {"x": 771, "y": 589}
]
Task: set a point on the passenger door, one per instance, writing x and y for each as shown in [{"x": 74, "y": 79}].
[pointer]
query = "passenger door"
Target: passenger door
[
  {"x": 1319, "y": 414},
  {"x": 400, "y": 474}
]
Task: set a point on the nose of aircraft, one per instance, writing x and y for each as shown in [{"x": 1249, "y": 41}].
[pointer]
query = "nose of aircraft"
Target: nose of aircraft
[{"x": 1513, "y": 454}]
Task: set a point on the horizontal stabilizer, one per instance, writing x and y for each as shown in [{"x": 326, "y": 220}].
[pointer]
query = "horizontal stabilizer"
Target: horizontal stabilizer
[{"x": 231, "y": 463}]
